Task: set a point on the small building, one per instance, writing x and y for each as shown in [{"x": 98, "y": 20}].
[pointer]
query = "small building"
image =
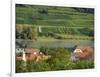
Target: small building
[
  {"x": 31, "y": 54},
  {"x": 82, "y": 52}
]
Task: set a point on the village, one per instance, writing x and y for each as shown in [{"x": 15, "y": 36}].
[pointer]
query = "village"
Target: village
[
  {"x": 77, "y": 53},
  {"x": 51, "y": 38},
  {"x": 31, "y": 54}
]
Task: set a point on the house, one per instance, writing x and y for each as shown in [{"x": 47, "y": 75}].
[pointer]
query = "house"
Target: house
[
  {"x": 19, "y": 53},
  {"x": 82, "y": 52},
  {"x": 32, "y": 54}
]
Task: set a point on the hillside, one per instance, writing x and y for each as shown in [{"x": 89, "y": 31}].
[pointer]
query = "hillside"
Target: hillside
[
  {"x": 52, "y": 23},
  {"x": 54, "y": 16}
]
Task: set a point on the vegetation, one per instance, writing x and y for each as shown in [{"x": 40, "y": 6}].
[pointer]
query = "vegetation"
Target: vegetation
[
  {"x": 61, "y": 32},
  {"x": 66, "y": 32},
  {"x": 60, "y": 60},
  {"x": 54, "y": 16},
  {"x": 38, "y": 26},
  {"x": 26, "y": 32},
  {"x": 85, "y": 10},
  {"x": 71, "y": 21}
]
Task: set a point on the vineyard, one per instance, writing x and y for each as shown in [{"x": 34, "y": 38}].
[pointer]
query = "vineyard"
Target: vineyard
[
  {"x": 68, "y": 30},
  {"x": 57, "y": 22},
  {"x": 54, "y": 30},
  {"x": 53, "y": 16},
  {"x": 62, "y": 32}
]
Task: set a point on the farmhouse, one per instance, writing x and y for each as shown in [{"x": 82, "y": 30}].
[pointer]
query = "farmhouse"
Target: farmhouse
[
  {"x": 82, "y": 52},
  {"x": 31, "y": 54}
]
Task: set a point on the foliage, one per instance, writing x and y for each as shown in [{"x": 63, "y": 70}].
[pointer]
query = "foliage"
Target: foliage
[
  {"x": 60, "y": 60},
  {"x": 26, "y": 32},
  {"x": 43, "y": 11},
  {"x": 44, "y": 50},
  {"x": 54, "y": 21},
  {"x": 20, "y": 66},
  {"x": 54, "y": 16},
  {"x": 82, "y": 64},
  {"x": 52, "y": 31},
  {"x": 85, "y": 10},
  {"x": 58, "y": 23}
]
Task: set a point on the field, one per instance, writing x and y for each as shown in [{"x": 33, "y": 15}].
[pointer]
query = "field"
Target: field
[
  {"x": 53, "y": 16},
  {"x": 71, "y": 21},
  {"x": 55, "y": 30}
]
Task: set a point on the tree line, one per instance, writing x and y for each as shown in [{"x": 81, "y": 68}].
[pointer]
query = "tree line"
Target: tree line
[{"x": 26, "y": 32}]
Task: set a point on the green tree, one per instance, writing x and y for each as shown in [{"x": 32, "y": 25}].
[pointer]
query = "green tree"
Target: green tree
[
  {"x": 44, "y": 49},
  {"x": 26, "y": 32}
]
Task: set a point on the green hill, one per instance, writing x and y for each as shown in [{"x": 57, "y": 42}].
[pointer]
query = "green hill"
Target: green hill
[{"x": 54, "y": 16}]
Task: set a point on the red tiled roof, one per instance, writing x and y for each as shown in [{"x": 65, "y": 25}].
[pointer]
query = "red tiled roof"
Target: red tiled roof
[{"x": 86, "y": 52}]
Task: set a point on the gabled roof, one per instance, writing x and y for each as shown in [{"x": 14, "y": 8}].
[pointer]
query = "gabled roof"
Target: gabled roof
[{"x": 87, "y": 52}]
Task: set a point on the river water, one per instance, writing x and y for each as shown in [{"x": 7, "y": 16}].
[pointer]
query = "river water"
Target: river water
[{"x": 52, "y": 44}]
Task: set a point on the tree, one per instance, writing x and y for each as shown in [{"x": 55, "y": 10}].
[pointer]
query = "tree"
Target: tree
[
  {"x": 59, "y": 59},
  {"x": 44, "y": 50},
  {"x": 26, "y": 32},
  {"x": 43, "y": 11},
  {"x": 85, "y": 10}
]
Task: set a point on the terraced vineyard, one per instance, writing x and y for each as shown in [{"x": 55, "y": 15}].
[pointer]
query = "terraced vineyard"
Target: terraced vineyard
[
  {"x": 53, "y": 16},
  {"x": 54, "y": 23},
  {"x": 67, "y": 30},
  {"x": 56, "y": 32}
]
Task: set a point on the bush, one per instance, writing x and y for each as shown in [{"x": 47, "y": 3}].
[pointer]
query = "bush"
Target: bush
[
  {"x": 26, "y": 32},
  {"x": 60, "y": 60}
]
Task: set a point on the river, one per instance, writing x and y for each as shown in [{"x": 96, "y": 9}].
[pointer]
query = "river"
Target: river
[{"x": 52, "y": 44}]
